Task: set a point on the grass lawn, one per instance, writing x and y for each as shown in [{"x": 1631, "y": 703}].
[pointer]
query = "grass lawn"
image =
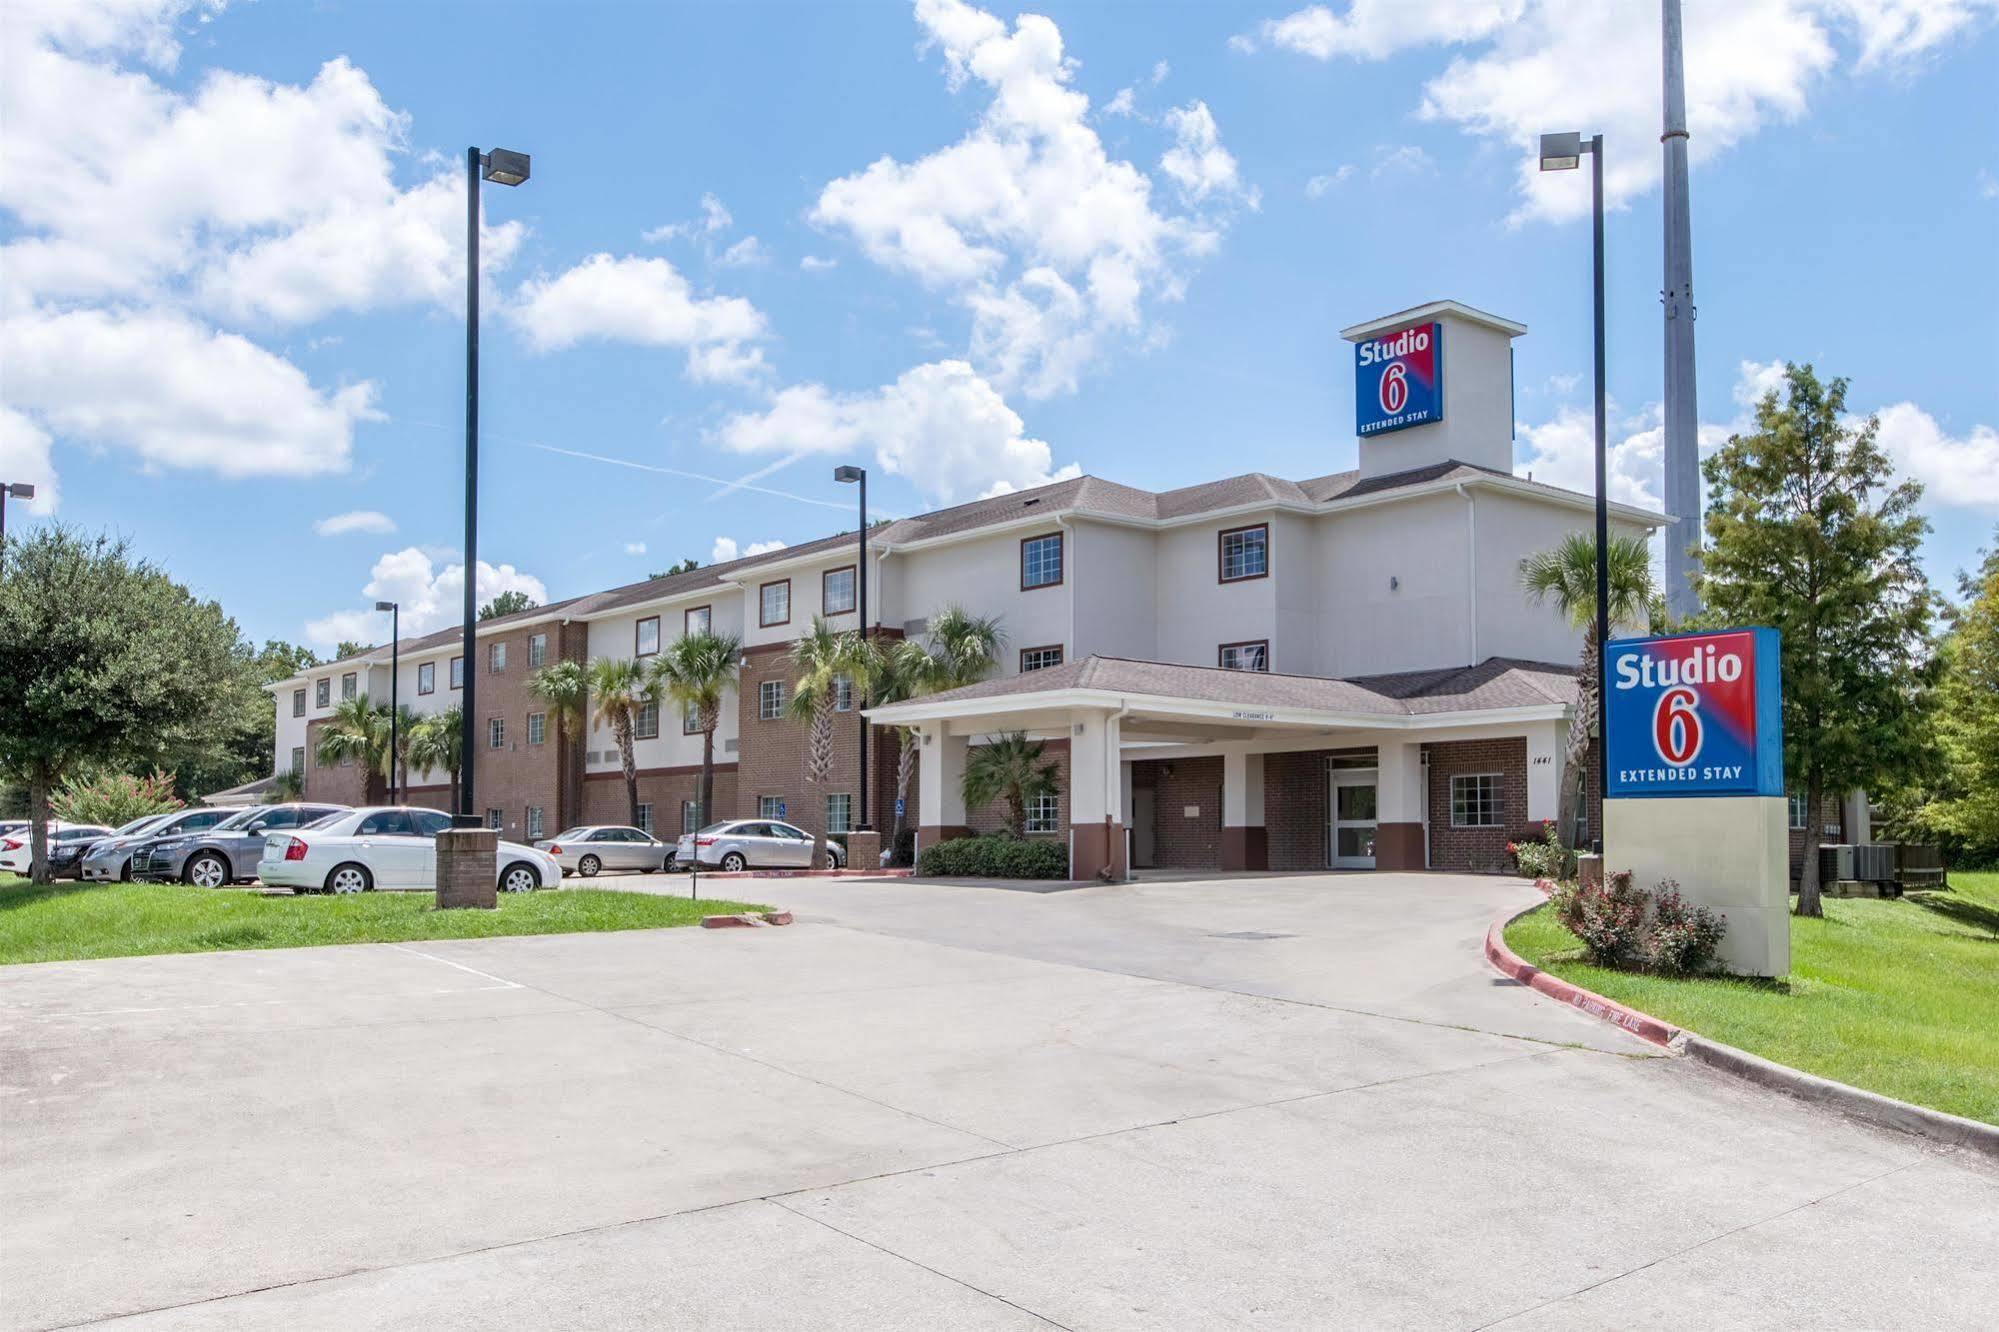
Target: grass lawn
[
  {"x": 1899, "y": 997},
  {"x": 67, "y": 921}
]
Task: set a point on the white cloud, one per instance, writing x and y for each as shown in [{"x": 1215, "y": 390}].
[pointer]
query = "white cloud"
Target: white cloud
[
  {"x": 1320, "y": 186},
  {"x": 813, "y": 263},
  {"x": 1197, "y": 160},
  {"x": 359, "y": 520},
  {"x": 178, "y": 394},
  {"x": 749, "y": 252},
  {"x": 1960, "y": 471},
  {"x": 1400, "y": 160},
  {"x": 1028, "y": 209},
  {"x": 635, "y": 548},
  {"x": 941, "y": 425},
  {"x": 1122, "y": 103},
  {"x": 1159, "y": 73},
  {"x": 430, "y": 597},
  {"x": 24, "y": 457},
  {"x": 1988, "y": 184},
  {"x": 1374, "y": 29},
  {"x": 645, "y": 301},
  {"x": 726, "y": 549},
  {"x": 714, "y": 217}
]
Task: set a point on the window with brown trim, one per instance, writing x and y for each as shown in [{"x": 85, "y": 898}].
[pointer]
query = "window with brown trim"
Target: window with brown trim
[
  {"x": 1040, "y": 658},
  {"x": 836, "y": 591},
  {"x": 458, "y": 672},
  {"x": 645, "y": 721},
  {"x": 1243, "y": 553},
  {"x": 774, "y": 603},
  {"x": 645, "y": 637},
  {"x": 1041, "y": 561},
  {"x": 1250, "y": 656},
  {"x": 697, "y": 620},
  {"x": 426, "y": 677}
]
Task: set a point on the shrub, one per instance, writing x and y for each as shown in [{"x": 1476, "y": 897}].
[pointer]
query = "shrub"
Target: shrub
[
  {"x": 1544, "y": 857},
  {"x": 114, "y": 798},
  {"x": 997, "y": 857},
  {"x": 1683, "y": 938},
  {"x": 1609, "y": 917}
]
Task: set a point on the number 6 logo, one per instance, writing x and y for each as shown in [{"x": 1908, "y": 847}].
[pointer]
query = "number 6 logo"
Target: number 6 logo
[
  {"x": 1394, "y": 388},
  {"x": 1676, "y": 726}
]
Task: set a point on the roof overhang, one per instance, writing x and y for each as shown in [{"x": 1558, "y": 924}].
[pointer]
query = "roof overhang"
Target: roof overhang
[
  {"x": 1003, "y": 708},
  {"x": 1418, "y": 313}
]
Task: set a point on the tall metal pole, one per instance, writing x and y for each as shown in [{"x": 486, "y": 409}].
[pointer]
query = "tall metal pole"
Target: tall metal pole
[
  {"x": 466, "y": 712},
  {"x": 395, "y": 700},
  {"x": 861, "y": 581},
  {"x": 1683, "y": 488},
  {"x": 1602, "y": 491}
]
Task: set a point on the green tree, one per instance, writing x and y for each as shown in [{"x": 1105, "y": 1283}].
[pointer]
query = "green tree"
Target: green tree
[
  {"x": 958, "y": 649},
  {"x": 437, "y": 743},
  {"x": 114, "y": 798},
  {"x": 349, "y": 647},
  {"x": 101, "y": 658},
  {"x": 1011, "y": 768},
  {"x": 1963, "y": 805},
  {"x": 820, "y": 661},
  {"x": 511, "y": 602},
  {"x": 288, "y": 784},
  {"x": 1809, "y": 533},
  {"x": 358, "y": 732},
  {"x": 688, "y": 565},
  {"x": 232, "y": 743},
  {"x": 609, "y": 691},
  {"x": 695, "y": 673},
  {"x": 1566, "y": 577}
]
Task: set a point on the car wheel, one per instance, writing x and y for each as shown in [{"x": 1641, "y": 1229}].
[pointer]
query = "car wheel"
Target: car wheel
[
  {"x": 588, "y": 866},
  {"x": 734, "y": 863},
  {"x": 206, "y": 871},
  {"x": 125, "y": 871},
  {"x": 832, "y": 860},
  {"x": 519, "y": 878},
  {"x": 350, "y": 878},
  {"x": 648, "y": 869}
]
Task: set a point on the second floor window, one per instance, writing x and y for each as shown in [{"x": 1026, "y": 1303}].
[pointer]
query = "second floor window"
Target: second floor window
[
  {"x": 645, "y": 640},
  {"x": 1039, "y": 658},
  {"x": 1246, "y": 656},
  {"x": 837, "y": 591},
  {"x": 843, "y": 694},
  {"x": 496, "y": 657},
  {"x": 496, "y": 733},
  {"x": 426, "y": 678},
  {"x": 697, "y": 620},
  {"x": 458, "y": 672},
  {"x": 322, "y": 694},
  {"x": 1245, "y": 553},
  {"x": 1041, "y": 561},
  {"x": 770, "y": 700},
  {"x": 537, "y": 649},
  {"x": 537, "y": 727},
  {"x": 350, "y": 685},
  {"x": 645, "y": 722},
  {"x": 690, "y": 720},
  {"x": 774, "y": 603},
  {"x": 298, "y": 702}
]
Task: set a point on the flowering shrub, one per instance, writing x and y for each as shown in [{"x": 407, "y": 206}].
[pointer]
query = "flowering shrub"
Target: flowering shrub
[
  {"x": 1683, "y": 938},
  {"x": 114, "y": 798},
  {"x": 1543, "y": 858},
  {"x": 1609, "y": 917}
]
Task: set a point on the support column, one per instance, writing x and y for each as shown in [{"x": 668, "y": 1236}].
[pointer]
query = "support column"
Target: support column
[
  {"x": 1399, "y": 800},
  {"x": 1096, "y": 794},
  {"x": 940, "y": 787},
  {"x": 1545, "y": 742},
  {"x": 1245, "y": 840}
]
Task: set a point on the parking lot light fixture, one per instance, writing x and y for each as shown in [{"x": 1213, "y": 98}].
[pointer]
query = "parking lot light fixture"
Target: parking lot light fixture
[
  {"x": 395, "y": 711},
  {"x": 19, "y": 490},
  {"x": 849, "y": 475}
]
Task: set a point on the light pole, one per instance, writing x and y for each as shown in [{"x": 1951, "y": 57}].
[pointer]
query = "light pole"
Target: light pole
[
  {"x": 502, "y": 166},
  {"x": 395, "y": 703},
  {"x": 19, "y": 490},
  {"x": 1563, "y": 152},
  {"x": 845, "y": 476}
]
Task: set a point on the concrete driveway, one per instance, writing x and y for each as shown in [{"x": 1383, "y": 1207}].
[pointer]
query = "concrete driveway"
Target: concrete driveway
[{"x": 1282, "y": 1102}]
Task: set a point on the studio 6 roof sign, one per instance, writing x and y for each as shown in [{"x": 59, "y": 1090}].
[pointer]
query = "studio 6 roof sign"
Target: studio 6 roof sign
[
  {"x": 1399, "y": 379},
  {"x": 1694, "y": 715}
]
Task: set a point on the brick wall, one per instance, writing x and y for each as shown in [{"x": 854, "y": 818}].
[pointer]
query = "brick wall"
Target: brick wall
[
  {"x": 339, "y": 783},
  {"x": 1295, "y": 809},
  {"x": 1180, "y": 842},
  {"x": 1831, "y": 815},
  {"x": 991, "y": 818},
  {"x": 604, "y": 799},
  {"x": 520, "y": 775},
  {"x": 771, "y": 761},
  {"x": 1481, "y": 849}
]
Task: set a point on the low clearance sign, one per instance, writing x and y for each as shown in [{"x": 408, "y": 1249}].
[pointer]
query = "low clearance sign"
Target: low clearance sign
[
  {"x": 1694, "y": 715},
  {"x": 1399, "y": 379}
]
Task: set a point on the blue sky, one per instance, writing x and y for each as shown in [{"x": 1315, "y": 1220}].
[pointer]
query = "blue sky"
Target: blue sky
[{"x": 968, "y": 248}]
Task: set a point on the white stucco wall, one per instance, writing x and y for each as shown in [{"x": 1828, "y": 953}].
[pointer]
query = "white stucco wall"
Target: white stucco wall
[
  {"x": 1511, "y": 528},
  {"x": 615, "y": 635},
  {"x": 1196, "y": 611},
  {"x": 983, "y": 576},
  {"x": 1422, "y": 621},
  {"x": 807, "y": 600},
  {"x": 1115, "y": 615}
]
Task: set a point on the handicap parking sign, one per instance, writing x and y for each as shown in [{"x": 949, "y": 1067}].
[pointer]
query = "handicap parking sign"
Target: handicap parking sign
[{"x": 898, "y": 807}]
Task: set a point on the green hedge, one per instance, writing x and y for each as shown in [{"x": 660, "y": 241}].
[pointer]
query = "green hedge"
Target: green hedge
[{"x": 999, "y": 857}]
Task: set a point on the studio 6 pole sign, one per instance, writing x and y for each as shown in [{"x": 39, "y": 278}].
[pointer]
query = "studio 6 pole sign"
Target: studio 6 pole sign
[
  {"x": 1695, "y": 715},
  {"x": 1399, "y": 379}
]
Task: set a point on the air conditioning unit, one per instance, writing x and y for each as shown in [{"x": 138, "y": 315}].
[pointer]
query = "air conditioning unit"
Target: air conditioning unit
[
  {"x": 1874, "y": 862},
  {"x": 1835, "y": 862}
]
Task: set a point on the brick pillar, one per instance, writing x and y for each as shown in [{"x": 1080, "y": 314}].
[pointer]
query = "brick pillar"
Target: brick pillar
[
  {"x": 467, "y": 868},
  {"x": 864, "y": 850}
]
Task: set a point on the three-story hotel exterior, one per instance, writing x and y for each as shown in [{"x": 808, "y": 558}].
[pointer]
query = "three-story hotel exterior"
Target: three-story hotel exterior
[{"x": 1341, "y": 671}]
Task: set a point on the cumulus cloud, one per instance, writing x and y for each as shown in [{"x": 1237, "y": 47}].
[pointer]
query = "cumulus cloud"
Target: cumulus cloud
[
  {"x": 941, "y": 425},
  {"x": 645, "y": 301},
  {"x": 1197, "y": 162},
  {"x": 727, "y": 549},
  {"x": 24, "y": 457},
  {"x": 714, "y": 217},
  {"x": 813, "y": 263},
  {"x": 358, "y": 520},
  {"x": 749, "y": 252},
  {"x": 430, "y": 597},
  {"x": 1318, "y": 187},
  {"x": 1957, "y": 470}
]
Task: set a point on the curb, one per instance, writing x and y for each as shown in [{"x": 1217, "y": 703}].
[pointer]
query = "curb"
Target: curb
[
  {"x": 802, "y": 874},
  {"x": 1855, "y": 1102},
  {"x": 747, "y": 920}
]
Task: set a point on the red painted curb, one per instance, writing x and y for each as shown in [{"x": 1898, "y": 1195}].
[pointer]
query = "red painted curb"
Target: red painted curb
[
  {"x": 746, "y": 920},
  {"x": 1642, "y": 1025},
  {"x": 802, "y": 874}
]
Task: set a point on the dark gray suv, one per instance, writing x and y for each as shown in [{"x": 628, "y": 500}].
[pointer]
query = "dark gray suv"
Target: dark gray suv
[{"x": 224, "y": 854}]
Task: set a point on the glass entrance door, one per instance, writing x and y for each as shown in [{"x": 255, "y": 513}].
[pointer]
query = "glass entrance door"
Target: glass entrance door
[{"x": 1353, "y": 818}]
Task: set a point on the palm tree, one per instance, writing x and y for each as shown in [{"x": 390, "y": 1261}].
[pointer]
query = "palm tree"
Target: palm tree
[
  {"x": 1566, "y": 576},
  {"x": 405, "y": 735},
  {"x": 357, "y": 731},
  {"x": 436, "y": 741},
  {"x": 609, "y": 691},
  {"x": 695, "y": 673},
  {"x": 289, "y": 785},
  {"x": 960, "y": 649},
  {"x": 1011, "y": 768},
  {"x": 822, "y": 659}
]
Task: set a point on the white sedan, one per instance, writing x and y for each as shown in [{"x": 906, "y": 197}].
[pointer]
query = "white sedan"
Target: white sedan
[{"x": 384, "y": 846}]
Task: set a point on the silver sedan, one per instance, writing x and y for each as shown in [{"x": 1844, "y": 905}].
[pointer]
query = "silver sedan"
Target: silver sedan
[
  {"x": 590, "y": 850},
  {"x": 739, "y": 844}
]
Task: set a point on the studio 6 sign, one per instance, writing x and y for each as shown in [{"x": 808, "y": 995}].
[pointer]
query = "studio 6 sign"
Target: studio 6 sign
[
  {"x": 1399, "y": 379},
  {"x": 1694, "y": 714}
]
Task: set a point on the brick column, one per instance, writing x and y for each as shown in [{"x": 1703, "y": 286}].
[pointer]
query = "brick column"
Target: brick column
[
  {"x": 864, "y": 850},
  {"x": 467, "y": 868},
  {"x": 1245, "y": 841}
]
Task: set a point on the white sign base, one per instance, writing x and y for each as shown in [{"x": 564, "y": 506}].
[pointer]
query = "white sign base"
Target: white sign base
[{"x": 1730, "y": 854}]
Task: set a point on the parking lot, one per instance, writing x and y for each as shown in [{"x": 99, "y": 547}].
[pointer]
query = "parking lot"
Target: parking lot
[{"x": 1295, "y": 1101}]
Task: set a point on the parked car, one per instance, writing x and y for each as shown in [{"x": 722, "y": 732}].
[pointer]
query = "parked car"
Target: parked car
[
  {"x": 384, "y": 846},
  {"x": 112, "y": 858},
  {"x": 587, "y": 850},
  {"x": 737, "y": 844},
  {"x": 224, "y": 854},
  {"x": 66, "y": 845}
]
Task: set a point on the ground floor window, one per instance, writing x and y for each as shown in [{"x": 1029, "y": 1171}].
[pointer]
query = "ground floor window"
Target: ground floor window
[
  {"x": 1797, "y": 803},
  {"x": 298, "y": 758},
  {"x": 1475, "y": 801},
  {"x": 690, "y": 816},
  {"x": 770, "y": 807},
  {"x": 645, "y": 819},
  {"x": 493, "y": 819},
  {"x": 534, "y": 821},
  {"x": 839, "y": 813},
  {"x": 1042, "y": 813}
]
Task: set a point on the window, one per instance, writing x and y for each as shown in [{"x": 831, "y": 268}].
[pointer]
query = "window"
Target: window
[
  {"x": 534, "y": 821},
  {"x": 839, "y": 813},
  {"x": 496, "y": 732},
  {"x": 1797, "y": 803},
  {"x": 697, "y": 620},
  {"x": 774, "y": 603},
  {"x": 298, "y": 758},
  {"x": 1041, "y": 561},
  {"x": 645, "y": 636},
  {"x": 429, "y": 822},
  {"x": 645, "y": 819},
  {"x": 1040, "y": 658},
  {"x": 493, "y": 819},
  {"x": 1042, "y": 813},
  {"x": 770, "y": 700},
  {"x": 298, "y": 702},
  {"x": 690, "y": 720},
  {"x": 770, "y": 807},
  {"x": 537, "y": 649},
  {"x": 690, "y": 816},
  {"x": 387, "y": 823},
  {"x": 645, "y": 722},
  {"x": 322, "y": 694},
  {"x": 458, "y": 672},
  {"x": 843, "y": 694},
  {"x": 1246, "y": 656},
  {"x": 537, "y": 727},
  {"x": 1475, "y": 800},
  {"x": 836, "y": 591},
  {"x": 496, "y": 658},
  {"x": 350, "y": 685},
  {"x": 1245, "y": 553},
  {"x": 426, "y": 678}
]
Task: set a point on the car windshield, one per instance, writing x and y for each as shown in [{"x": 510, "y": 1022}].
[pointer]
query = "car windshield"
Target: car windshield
[
  {"x": 140, "y": 825},
  {"x": 239, "y": 819},
  {"x": 570, "y": 834},
  {"x": 718, "y": 827},
  {"x": 325, "y": 819}
]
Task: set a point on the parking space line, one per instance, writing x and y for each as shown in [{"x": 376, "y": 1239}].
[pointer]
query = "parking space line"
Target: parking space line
[{"x": 499, "y": 982}]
